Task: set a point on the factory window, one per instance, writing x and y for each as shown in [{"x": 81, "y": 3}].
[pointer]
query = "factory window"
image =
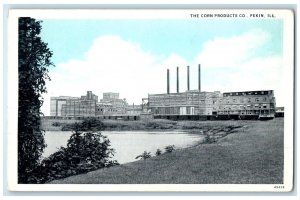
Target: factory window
[
  {"x": 257, "y": 99},
  {"x": 234, "y": 100},
  {"x": 265, "y": 99},
  {"x": 242, "y": 100},
  {"x": 249, "y": 99}
]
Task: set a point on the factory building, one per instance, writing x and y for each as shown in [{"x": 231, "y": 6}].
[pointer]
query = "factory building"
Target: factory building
[
  {"x": 111, "y": 104},
  {"x": 191, "y": 102},
  {"x": 89, "y": 96},
  {"x": 56, "y": 104},
  {"x": 103, "y": 108},
  {"x": 84, "y": 106},
  {"x": 240, "y": 105},
  {"x": 246, "y": 104},
  {"x": 88, "y": 105},
  {"x": 66, "y": 106},
  {"x": 110, "y": 95},
  {"x": 134, "y": 109}
]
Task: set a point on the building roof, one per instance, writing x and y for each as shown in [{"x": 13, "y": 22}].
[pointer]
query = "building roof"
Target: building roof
[{"x": 246, "y": 93}]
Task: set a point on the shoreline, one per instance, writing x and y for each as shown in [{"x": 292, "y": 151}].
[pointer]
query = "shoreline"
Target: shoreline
[
  {"x": 252, "y": 155},
  {"x": 151, "y": 125}
]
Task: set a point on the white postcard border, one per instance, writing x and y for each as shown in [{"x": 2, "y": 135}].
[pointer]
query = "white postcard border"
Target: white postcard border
[{"x": 288, "y": 55}]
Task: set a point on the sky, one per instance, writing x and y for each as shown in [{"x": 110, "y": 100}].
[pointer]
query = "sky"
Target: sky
[{"x": 131, "y": 56}]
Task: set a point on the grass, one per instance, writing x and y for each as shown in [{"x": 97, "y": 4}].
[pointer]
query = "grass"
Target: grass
[
  {"x": 155, "y": 124},
  {"x": 47, "y": 124},
  {"x": 251, "y": 155}
]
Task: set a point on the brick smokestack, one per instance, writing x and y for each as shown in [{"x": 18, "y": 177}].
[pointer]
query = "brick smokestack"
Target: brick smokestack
[
  {"x": 188, "y": 78},
  {"x": 199, "y": 78},
  {"x": 177, "y": 80},
  {"x": 168, "y": 81}
]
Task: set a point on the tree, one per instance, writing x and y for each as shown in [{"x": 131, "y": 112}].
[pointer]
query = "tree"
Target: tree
[
  {"x": 88, "y": 124},
  {"x": 33, "y": 60},
  {"x": 84, "y": 152}
]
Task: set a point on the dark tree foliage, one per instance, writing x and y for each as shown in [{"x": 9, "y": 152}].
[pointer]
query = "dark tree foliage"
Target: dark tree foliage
[
  {"x": 33, "y": 60},
  {"x": 84, "y": 152},
  {"x": 88, "y": 124}
]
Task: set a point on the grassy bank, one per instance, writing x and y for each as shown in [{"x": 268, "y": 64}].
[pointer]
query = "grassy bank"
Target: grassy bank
[
  {"x": 55, "y": 124},
  {"x": 253, "y": 154},
  {"x": 155, "y": 124}
]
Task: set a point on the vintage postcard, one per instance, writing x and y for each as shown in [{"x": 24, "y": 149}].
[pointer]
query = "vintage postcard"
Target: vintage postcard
[{"x": 150, "y": 100}]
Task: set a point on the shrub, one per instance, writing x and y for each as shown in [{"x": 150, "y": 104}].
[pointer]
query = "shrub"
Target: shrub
[
  {"x": 84, "y": 152},
  {"x": 144, "y": 155},
  {"x": 160, "y": 125},
  {"x": 170, "y": 148},
  {"x": 88, "y": 124},
  {"x": 57, "y": 124},
  {"x": 67, "y": 127},
  {"x": 152, "y": 125},
  {"x": 91, "y": 124},
  {"x": 158, "y": 152}
]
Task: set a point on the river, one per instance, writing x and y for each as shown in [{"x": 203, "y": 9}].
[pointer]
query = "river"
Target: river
[{"x": 129, "y": 144}]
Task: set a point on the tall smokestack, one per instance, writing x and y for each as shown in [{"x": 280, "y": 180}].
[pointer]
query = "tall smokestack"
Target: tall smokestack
[
  {"x": 168, "y": 81},
  {"x": 177, "y": 80},
  {"x": 188, "y": 78},
  {"x": 199, "y": 78}
]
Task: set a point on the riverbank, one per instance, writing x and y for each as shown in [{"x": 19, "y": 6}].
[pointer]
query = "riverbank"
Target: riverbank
[
  {"x": 252, "y": 155},
  {"x": 140, "y": 125}
]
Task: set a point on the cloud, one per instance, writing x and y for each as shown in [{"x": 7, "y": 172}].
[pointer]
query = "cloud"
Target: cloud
[
  {"x": 113, "y": 64},
  {"x": 231, "y": 52},
  {"x": 236, "y": 64}
]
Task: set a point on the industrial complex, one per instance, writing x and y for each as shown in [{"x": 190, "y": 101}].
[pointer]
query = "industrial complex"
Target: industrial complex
[{"x": 190, "y": 104}]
